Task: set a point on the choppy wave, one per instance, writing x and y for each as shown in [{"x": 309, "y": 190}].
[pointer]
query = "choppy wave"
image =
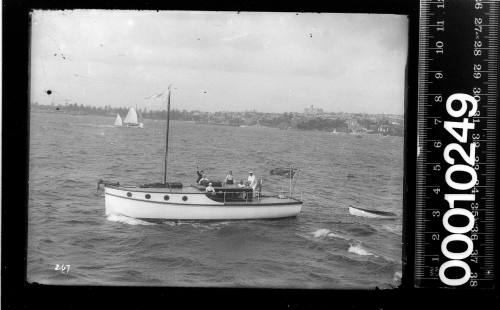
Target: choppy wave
[
  {"x": 397, "y": 276},
  {"x": 211, "y": 226},
  {"x": 362, "y": 230},
  {"x": 392, "y": 228},
  {"x": 358, "y": 249},
  {"x": 323, "y": 232}
]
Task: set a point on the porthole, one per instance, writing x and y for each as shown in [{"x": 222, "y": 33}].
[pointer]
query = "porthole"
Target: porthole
[
  {"x": 129, "y": 194},
  {"x": 166, "y": 197},
  {"x": 148, "y": 196},
  {"x": 184, "y": 198}
]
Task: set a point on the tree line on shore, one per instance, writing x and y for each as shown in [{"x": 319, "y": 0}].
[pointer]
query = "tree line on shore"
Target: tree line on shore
[{"x": 284, "y": 120}]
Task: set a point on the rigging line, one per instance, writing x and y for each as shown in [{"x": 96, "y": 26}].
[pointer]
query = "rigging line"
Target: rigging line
[
  {"x": 166, "y": 136},
  {"x": 171, "y": 145}
]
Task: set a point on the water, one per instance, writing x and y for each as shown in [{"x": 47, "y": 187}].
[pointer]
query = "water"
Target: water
[{"x": 324, "y": 247}]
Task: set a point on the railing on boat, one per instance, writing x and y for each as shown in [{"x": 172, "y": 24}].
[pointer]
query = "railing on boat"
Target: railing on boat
[
  {"x": 244, "y": 195},
  {"x": 287, "y": 193}
]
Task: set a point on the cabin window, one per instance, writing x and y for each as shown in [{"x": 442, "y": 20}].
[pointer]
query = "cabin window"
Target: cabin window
[
  {"x": 166, "y": 197},
  {"x": 148, "y": 196},
  {"x": 129, "y": 194},
  {"x": 184, "y": 198}
]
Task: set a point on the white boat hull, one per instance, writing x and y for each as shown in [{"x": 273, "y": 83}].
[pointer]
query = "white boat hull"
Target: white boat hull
[
  {"x": 363, "y": 213},
  {"x": 196, "y": 207}
]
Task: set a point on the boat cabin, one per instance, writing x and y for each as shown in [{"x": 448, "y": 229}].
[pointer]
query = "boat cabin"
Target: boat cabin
[
  {"x": 228, "y": 193},
  {"x": 222, "y": 193}
]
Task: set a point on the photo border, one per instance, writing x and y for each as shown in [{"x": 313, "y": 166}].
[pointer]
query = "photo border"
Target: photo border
[{"x": 17, "y": 293}]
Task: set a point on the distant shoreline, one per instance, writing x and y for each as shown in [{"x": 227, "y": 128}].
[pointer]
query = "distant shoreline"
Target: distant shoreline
[
  {"x": 335, "y": 123},
  {"x": 361, "y": 133}
]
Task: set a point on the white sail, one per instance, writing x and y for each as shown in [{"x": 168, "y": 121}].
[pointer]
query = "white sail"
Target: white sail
[
  {"x": 131, "y": 117},
  {"x": 118, "y": 120}
]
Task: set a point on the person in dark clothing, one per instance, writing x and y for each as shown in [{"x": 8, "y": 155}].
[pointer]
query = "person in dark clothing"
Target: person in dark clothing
[{"x": 200, "y": 174}]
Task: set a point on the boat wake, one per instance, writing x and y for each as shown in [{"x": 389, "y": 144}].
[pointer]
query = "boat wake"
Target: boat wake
[
  {"x": 95, "y": 125},
  {"x": 126, "y": 220},
  {"x": 397, "y": 276},
  {"x": 211, "y": 226},
  {"x": 198, "y": 225},
  {"x": 358, "y": 249}
]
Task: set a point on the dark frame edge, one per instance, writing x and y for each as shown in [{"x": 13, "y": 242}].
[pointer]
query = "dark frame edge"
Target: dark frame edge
[{"x": 16, "y": 13}]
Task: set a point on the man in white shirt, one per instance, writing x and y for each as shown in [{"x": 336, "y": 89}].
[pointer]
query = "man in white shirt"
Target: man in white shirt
[
  {"x": 210, "y": 188},
  {"x": 229, "y": 178},
  {"x": 251, "y": 180}
]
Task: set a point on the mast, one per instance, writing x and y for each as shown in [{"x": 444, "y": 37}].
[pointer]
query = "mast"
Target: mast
[{"x": 166, "y": 136}]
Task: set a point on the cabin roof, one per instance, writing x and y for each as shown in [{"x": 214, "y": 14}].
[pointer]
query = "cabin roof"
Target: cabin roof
[{"x": 193, "y": 189}]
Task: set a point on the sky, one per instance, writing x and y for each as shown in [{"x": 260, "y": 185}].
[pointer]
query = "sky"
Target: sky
[{"x": 220, "y": 61}]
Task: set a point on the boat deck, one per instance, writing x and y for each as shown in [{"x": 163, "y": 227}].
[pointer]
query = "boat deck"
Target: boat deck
[
  {"x": 184, "y": 190},
  {"x": 266, "y": 200},
  {"x": 190, "y": 189}
]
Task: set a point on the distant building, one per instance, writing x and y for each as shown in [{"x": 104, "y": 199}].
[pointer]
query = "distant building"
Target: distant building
[
  {"x": 313, "y": 111},
  {"x": 354, "y": 126},
  {"x": 384, "y": 129}
]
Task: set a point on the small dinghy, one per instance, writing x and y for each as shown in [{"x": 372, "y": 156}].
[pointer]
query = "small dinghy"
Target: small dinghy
[{"x": 370, "y": 213}]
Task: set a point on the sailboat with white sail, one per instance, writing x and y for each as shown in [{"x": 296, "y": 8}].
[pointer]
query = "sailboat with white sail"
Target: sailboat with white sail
[
  {"x": 118, "y": 121},
  {"x": 173, "y": 201},
  {"x": 131, "y": 120}
]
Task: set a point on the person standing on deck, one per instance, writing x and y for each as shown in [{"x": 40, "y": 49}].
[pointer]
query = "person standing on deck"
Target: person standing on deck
[
  {"x": 251, "y": 180},
  {"x": 200, "y": 174},
  {"x": 203, "y": 180},
  {"x": 229, "y": 178}
]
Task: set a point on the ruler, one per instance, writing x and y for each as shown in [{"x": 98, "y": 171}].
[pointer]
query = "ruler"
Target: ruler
[{"x": 456, "y": 161}]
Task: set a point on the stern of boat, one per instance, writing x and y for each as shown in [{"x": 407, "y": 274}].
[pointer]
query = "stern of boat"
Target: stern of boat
[{"x": 108, "y": 209}]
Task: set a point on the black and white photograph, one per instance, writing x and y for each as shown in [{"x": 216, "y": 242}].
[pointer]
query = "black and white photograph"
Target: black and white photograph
[{"x": 216, "y": 149}]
